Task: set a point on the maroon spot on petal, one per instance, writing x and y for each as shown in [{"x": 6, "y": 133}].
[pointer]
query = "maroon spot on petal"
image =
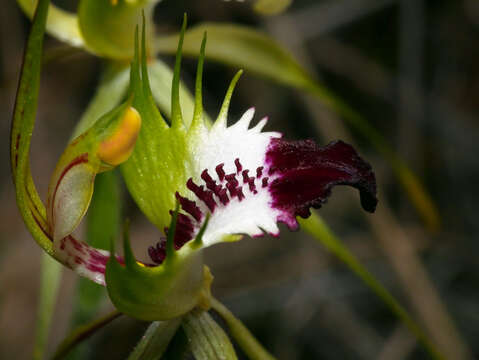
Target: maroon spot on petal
[
  {"x": 239, "y": 167},
  {"x": 231, "y": 179},
  {"x": 210, "y": 183},
  {"x": 223, "y": 196},
  {"x": 259, "y": 172},
  {"x": 206, "y": 177},
  {"x": 204, "y": 195},
  {"x": 184, "y": 232},
  {"x": 232, "y": 188},
  {"x": 220, "y": 171},
  {"x": 239, "y": 193},
  {"x": 245, "y": 176},
  {"x": 158, "y": 253},
  {"x": 306, "y": 173},
  {"x": 265, "y": 182},
  {"x": 252, "y": 186},
  {"x": 190, "y": 207}
]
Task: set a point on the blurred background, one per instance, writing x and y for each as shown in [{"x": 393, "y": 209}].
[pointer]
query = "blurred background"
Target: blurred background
[{"x": 410, "y": 68}]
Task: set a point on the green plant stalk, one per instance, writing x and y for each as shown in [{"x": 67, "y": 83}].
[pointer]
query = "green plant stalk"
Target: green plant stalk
[
  {"x": 82, "y": 333},
  {"x": 51, "y": 274},
  {"x": 251, "y": 347},
  {"x": 156, "y": 339},
  {"x": 316, "y": 227}
]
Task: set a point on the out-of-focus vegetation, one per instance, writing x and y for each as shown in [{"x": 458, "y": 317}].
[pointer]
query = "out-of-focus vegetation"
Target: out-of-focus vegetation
[{"x": 407, "y": 66}]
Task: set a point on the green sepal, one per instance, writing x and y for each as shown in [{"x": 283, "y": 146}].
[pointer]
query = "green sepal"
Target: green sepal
[
  {"x": 106, "y": 25},
  {"x": 161, "y": 292},
  {"x": 160, "y": 162}
]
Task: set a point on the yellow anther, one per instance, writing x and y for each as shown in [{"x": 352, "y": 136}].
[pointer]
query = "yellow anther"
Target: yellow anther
[
  {"x": 114, "y": 2},
  {"x": 119, "y": 146}
]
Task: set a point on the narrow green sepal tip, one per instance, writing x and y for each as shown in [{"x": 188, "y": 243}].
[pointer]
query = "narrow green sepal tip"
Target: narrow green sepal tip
[
  {"x": 198, "y": 111},
  {"x": 229, "y": 93},
  {"x": 170, "y": 241},
  {"x": 176, "y": 116},
  {"x": 199, "y": 237},
  {"x": 130, "y": 260},
  {"x": 112, "y": 248}
]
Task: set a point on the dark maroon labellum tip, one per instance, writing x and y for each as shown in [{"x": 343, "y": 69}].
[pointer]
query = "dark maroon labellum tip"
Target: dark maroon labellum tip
[{"x": 306, "y": 173}]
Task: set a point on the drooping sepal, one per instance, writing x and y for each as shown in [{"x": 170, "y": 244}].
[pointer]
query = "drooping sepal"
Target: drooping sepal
[{"x": 161, "y": 292}]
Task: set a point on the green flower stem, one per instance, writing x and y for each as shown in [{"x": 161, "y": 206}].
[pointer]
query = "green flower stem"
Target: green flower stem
[
  {"x": 51, "y": 275},
  {"x": 82, "y": 333},
  {"x": 252, "y": 348},
  {"x": 321, "y": 232},
  {"x": 156, "y": 339}
]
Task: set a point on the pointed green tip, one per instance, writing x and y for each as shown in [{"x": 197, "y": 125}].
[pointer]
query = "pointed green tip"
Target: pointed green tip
[
  {"x": 130, "y": 261},
  {"x": 176, "y": 116},
  {"x": 112, "y": 248},
  {"x": 198, "y": 111},
  {"x": 199, "y": 237},
  {"x": 170, "y": 240},
  {"x": 226, "y": 102}
]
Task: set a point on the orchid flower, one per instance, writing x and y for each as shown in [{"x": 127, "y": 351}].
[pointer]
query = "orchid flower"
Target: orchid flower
[
  {"x": 202, "y": 183},
  {"x": 209, "y": 183}
]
